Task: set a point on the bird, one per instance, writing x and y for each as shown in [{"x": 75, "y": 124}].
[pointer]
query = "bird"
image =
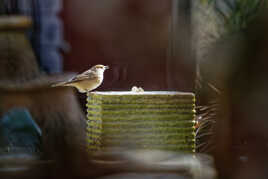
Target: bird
[{"x": 86, "y": 81}]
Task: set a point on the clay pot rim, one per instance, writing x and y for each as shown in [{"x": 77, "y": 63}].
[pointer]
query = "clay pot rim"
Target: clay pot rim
[
  {"x": 14, "y": 22},
  {"x": 42, "y": 81}
]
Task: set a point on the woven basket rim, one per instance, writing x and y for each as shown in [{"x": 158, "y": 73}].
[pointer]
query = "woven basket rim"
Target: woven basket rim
[{"x": 115, "y": 93}]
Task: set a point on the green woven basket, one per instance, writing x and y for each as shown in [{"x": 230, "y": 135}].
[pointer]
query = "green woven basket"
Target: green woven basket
[{"x": 147, "y": 120}]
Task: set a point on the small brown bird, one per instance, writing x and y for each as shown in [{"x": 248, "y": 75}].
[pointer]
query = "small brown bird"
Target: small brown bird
[{"x": 86, "y": 81}]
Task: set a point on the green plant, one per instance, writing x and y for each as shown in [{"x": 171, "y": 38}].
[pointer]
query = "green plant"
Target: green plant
[{"x": 236, "y": 14}]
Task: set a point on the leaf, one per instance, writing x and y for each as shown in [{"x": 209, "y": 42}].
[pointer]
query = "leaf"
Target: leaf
[{"x": 207, "y": 1}]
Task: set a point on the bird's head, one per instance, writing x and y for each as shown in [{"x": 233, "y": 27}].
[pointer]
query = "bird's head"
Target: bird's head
[{"x": 99, "y": 68}]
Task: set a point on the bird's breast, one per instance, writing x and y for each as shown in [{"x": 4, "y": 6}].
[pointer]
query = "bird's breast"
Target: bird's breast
[{"x": 87, "y": 85}]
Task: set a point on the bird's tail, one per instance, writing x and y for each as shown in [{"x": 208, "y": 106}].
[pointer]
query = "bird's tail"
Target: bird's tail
[{"x": 59, "y": 84}]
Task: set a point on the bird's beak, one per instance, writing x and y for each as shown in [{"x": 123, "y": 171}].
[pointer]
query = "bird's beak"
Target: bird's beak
[{"x": 106, "y": 67}]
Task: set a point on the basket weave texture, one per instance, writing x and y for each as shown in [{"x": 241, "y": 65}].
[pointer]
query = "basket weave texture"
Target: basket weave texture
[{"x": 147, "y": 120}]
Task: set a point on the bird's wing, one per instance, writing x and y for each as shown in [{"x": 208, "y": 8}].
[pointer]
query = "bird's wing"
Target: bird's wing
[{"x": 87, "y": 75}]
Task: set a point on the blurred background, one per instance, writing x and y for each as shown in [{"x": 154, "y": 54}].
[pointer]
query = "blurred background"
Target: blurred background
[
  {"x": 130, "y": 36},
  {"x": 214, "y": 48}
]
